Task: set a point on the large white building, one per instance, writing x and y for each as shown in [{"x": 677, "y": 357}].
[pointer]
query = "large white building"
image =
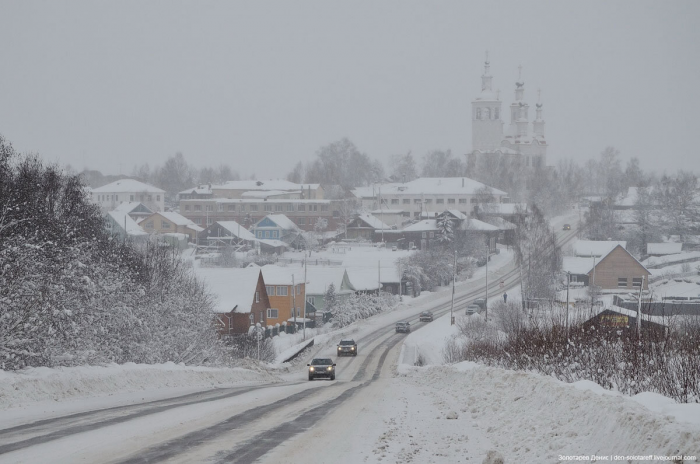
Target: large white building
[
  {"x": 521, "y": 139},
  {"x": 427, "y": 195},
  {"x": 110, "y": 196}
]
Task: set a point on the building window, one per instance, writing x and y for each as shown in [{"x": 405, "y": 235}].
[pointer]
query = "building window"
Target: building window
[
  {"x": 282, "y": 290},
  {"x": 252, "y": 208},
  {"x": 164, "y": 225},
  {"x": 429, "y": 200},
  {"x": 210, "y": 221},
  {"x": 394, "y": 201},
  {"x": 462, "y": 201},
  {"x": 149, "y": 225},
  {"x": 272, "y": 313},
  {"x": 187, "y": 207},
  {"x": 232, "y": 207},
  {"x": 310, "y": 299},
  {"x": 637, "y": 282},
  {"x": 313, "y": 207},
  {"x": 416, "y": 200},
  {"x": 432, "y": 234},
  {"x": 573, "y": 278},
  {"x": 622, "y": 282},
  {"x": 257, "y": 297},
  {"x": 290, "y": 207},
  {"x": 324, "y": 207},
  {"x": 298, "y": 289},
  {"x": 406, "y": 201},
  {"x": 302, "y": 221},
  {"x": 450, "y": 201},
  {"x": 440, "y": 201},
  {"x": 424, "y": 235},
  {"x": 267, "y": 207},
  {"x": 198, "y": 221},
  {"x": 474, "y": 201},
  {"x": 209, "y": 208},
  {"x": 267, "y": 234},
  {"x": 301, "y": 208},
  {"x": 279, "y": 208},
  {"x": 198, "y": 207},
  {"x": 157, "y": 197},
  {"x": 270, "y": 290},
  {"x": 275, "y": 234}
]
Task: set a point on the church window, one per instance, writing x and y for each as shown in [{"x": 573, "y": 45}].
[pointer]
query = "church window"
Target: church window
[
  {"x": 487, "y": 113},
  {"x": 478, "y": 113}
]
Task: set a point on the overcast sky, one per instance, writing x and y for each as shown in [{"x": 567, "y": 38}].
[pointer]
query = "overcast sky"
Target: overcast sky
[{"x": 261, "y": 85}]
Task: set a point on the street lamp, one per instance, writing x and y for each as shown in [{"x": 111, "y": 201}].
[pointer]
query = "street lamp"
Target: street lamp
[{"x": 454, "y": 277}]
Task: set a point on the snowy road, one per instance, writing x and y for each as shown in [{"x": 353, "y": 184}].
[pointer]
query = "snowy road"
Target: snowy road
[{"x": 293, "y": 421}]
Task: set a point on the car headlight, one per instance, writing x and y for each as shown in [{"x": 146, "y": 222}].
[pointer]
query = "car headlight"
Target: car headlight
[
  {"x": 311, "y": 369},
  {"x": 338, "y": 348},
  {"x": 352, "y": 347},
  {"x": 330, "y": 368}
]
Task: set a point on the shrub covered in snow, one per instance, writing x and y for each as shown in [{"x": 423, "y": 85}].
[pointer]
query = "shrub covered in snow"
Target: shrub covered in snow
[
  {"x": 361, "y": 306},
  {"x": 70, "y": 294}
]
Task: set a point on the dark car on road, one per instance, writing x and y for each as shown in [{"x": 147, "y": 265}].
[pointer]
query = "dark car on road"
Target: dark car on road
[
  {"x": 347, "y": 348},
  {"x": 426, "y": 316},
  {"x": 567, "y": 226},
  {"x": 403, "y": 327},
  {"x": 321, "y": 368}
]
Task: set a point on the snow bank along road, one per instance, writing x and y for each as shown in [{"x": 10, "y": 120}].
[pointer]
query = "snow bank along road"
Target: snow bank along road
[{"x": 271, "y": 423}]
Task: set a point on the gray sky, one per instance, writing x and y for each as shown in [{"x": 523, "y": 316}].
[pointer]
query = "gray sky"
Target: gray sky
[{"x": 261, "y": 85}]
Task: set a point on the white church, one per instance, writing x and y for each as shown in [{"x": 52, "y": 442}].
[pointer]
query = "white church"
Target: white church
[{"x": 522, "y": 140}]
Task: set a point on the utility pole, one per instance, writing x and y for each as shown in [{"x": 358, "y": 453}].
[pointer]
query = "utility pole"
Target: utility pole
[
  {"x": 304, "y": 333},
  {"x": 454, "y": 277},
  {"x": 639, "y": 310},
  {"x": 294, "y": 303},
  {"x": 568, "y": 279},
  {"x": 486, "y": 304},
  {"x": 379, "y": 276}
]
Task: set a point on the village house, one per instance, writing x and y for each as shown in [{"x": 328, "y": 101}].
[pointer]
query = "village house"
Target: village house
[
  {"x": 278, "y": 227},
  {"x": 286, "y": 290},
  {"x": 119, "y": 224},
  {"x": 240, "y": 298},
  {"x": 136, "y": 210},
  {"x": 364, "y": 226},
  {"x": 169, "y": 222},
  {"x": 615, "y": 269},
  {"x": 110, "y": 196},
  {"x": 227, "y": 233}
]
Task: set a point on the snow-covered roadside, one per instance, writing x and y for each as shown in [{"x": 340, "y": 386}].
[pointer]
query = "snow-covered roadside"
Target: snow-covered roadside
[
  {"x": 43, "y": 392},
  {"x": 533, "y": 418}
]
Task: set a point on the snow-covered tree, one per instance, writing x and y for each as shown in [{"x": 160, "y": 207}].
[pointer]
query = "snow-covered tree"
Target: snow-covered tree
[{"x": 444, "y": 224}]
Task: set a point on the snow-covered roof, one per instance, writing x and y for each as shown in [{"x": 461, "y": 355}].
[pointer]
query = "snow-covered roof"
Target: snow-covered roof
[
  {"x": 281, "y": 220},
  {"x": 271, "y": 184},
  {"x": 200, "y": 190},
  {"x": 373, "y": 221},
  {"x": 576, "y": 265},
  {"x": 318, "y": 279},
  {"x": 457, "y": 214},
  {"x": 129, "y": 206},
  {"x": 596, "y": 248},
  {"x": 475, "y": 224},
  {"x": 378, "y": 212},
  {"x": 501, "y": 223},
  {"x": 273, "y": 243},
  {"x": 237, "y": 230},
  {"x": 125, "y": 222},
  {"x": 503, "y": 208},
  {"x": 267, "y": 193},
  {"x": 363, "y": 280},
  {"x": 427, "y": 186},
  {"x": 664, "y": 248},
  {"x": 278, "y": 275},
  {"x": 425, "y": 224},
  {"x": 180, "y": 220},
  {"x": 231, "y": 287},
  {"x": 127, "y": 186}
]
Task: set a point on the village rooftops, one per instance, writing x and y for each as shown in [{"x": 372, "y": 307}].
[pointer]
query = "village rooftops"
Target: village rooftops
[
  {"x": 424, "y": 225},
  {"x": 281, "y": 220},
  {"x": 277, "y": 275},
  {"x": 578, "y": 265},
  {"x": 664, "y": 248},
  {"x": 428, "y": 186},
  {"x": 237, "y": 230},
  {"x": 129, "y": 206},
  {"x": 200, "y": 190},
  {"x": 127, "y": 223},
  {"x": 268, "y": 193},
  {"x": 373, "y": 221},
  {"x": 180, "y": 220},
  {"x": 273, "y": 184},
  {"x": 255, "y": 200},
  {"x": 475, "y": 224},
  {"x": 127, "y": 186},
  {"x": 596, "y": 248},
  {"x": 233, "y": 288}
]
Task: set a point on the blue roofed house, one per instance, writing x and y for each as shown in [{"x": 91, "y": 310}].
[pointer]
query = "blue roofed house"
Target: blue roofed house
[{"x": 278, "y": 227}]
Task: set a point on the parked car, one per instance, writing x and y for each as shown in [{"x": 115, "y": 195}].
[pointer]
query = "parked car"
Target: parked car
[
  {"x": 403, "y": 327},
  {"x": 321, "y": 367},
  {"x": 472, "y": 309},
  {"x": 480, "y": 302},
  {"x": 347, "y": 348},
  {"x": 567, "y": 226},
  {"x": 426, "y": 316}
]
